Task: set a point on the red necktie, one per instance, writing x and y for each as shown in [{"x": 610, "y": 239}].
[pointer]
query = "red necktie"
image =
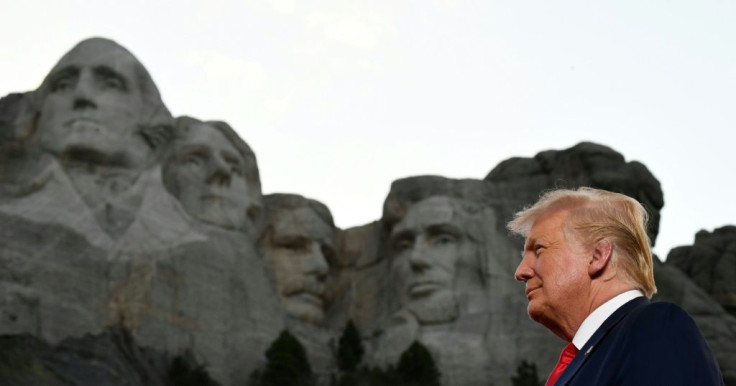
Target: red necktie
[{"x": 566, "y": 357}]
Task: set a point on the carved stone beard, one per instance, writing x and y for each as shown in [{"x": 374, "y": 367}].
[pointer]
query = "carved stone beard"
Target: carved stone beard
[{"x": 442, "y": 307}]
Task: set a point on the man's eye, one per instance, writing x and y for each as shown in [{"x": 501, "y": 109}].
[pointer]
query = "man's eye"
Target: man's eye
[
  {"x": 113, "y": 83},
  {"x": 403, "y": 244},
  {"x": 62, "y": 84},
  {"x": 192, "y": 159},
  {"x": 296, "y": 245},
  {"x": 444, "y": 239}
]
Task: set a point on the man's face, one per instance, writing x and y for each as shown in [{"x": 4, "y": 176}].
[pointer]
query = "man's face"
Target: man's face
[
  {"x": 93, "y": 106},
  {"x": 554, "y": 269},
  {"x": 428, "y": 243},
  {"x": 297, "y": 254},
  {"x": 207, "y": 174}
]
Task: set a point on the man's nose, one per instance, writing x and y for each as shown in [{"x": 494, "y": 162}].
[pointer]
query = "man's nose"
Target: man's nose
[
  {"x": 418, "y": 256},
  {"x": 524, "y": 271},
  {"x": 219, "y": 171},
  {"x": 315, "y": 262},
  {"x": 84, "y": 92}
]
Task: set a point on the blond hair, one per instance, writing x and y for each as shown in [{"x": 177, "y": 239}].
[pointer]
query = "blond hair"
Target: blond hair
[{"x": 596, "y": 214}]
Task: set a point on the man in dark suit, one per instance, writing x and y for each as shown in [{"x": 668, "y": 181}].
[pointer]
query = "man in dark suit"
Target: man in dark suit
[{"x": 587, "y": 265}]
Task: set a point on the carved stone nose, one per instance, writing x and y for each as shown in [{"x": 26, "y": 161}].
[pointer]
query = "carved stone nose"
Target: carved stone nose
[{"x": 82, "y": 102}]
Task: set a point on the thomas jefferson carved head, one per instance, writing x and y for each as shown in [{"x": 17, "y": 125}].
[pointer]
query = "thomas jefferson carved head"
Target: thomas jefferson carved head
[
  {"x": 99, "y": 105},
  {"x": 214, "y": 174},
  {"x": 298, "y": 249}
]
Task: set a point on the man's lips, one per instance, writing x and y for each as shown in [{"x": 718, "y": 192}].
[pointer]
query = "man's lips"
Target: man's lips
[
  {"x": 309, "y": 297},
  {"x": 223, "y": 198},
  {"x": 530, "y": 290},
  {"x": 423, "y": 288},
  {"x": 81, "y": 122}
]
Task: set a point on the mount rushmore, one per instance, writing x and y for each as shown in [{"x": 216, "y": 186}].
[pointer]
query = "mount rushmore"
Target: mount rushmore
[{"x": 116, "y": 216}]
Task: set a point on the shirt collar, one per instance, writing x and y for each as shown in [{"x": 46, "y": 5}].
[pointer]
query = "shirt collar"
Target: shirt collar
[{"x": 597, "y": 317}]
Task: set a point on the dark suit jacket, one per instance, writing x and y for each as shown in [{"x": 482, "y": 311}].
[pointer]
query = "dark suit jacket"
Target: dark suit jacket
[{"x": 645, "y": 343}]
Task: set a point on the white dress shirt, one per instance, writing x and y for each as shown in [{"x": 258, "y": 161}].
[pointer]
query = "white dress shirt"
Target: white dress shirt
[{"x": 596, "y": 318}]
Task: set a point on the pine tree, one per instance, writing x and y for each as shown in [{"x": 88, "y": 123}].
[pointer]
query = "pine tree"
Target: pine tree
[
  {"x": 526, "y": 375},
  {"x": 287, "y": 363},
  {"x": 416, "y": 367},
  {"x": 349, "y": 349},
  {"x": 184, "y": 372}
]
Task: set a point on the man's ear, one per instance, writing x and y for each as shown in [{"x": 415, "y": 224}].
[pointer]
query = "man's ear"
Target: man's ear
[
  {"x": 158, "y": 136},
  {"x": 601, "y": 257}
]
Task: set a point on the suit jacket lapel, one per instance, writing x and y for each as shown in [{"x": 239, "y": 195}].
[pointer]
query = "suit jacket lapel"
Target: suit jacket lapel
[{"x": 590, "y": 346}]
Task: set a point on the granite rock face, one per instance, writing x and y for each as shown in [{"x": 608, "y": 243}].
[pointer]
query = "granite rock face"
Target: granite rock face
[
  {"x": 115, "y": 213},
  {"x": 108, "y": 358},
  {"x": 437, "y": 277},
  {"x": 124, "y": 216},
  {"x": 711, "y": 263}
]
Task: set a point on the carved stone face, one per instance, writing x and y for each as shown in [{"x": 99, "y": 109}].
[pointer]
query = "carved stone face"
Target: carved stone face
[
  {"x": 206, "y": 173},
  {"x": 297, "y": 254},
  {"x": 93, "y": 106},
  {"x": 429, "y": 244}
]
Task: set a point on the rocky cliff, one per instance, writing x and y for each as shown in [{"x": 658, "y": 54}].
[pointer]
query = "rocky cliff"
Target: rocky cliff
[{"x": 129, "y": 238}]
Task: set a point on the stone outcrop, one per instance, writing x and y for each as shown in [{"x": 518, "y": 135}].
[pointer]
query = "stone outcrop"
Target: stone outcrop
[
  {"x": 585, "y": 164},
  {"x": 711, "y": 263},
  {"x": 115, "y": 213}
]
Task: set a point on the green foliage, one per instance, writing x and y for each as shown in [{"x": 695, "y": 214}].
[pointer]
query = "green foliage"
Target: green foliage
[
  {"x": 526, "y": 375},
  {"x": 182, "y": 373},
  {"x": 255, "y": 378},
  {"x": 348, "y": 379},
  {"x": 416, "y": 367},
  {"x": 379, "y": 377},
  {"x": 286, "y": 364},
  {"x": 350, "y": 349}
]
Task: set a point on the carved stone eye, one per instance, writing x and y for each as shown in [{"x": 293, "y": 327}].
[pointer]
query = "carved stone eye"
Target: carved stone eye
[
  {"x": 444, "y": 238},
  {"x": 63, "y": 84},
  {"x": 403, "y": 244},
  {"x": 293, "y": 244},
  {"x": 193, "y": 159},
  {"x": 112, "y": 83}
]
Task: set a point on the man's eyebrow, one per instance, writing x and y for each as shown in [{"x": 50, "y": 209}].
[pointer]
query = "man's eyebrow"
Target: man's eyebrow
[
  {"x": 290, "y": 236},
  {"x": 111, "y": 73},
  {"x": 68, "y": 70},
  {"x": 530, "y": 242},
  {"x": 442, "y": 228},
  {"x": 401, "y": 233},
  {"x": 190, "y": 148},
  {"x": 232, "y": 157}
]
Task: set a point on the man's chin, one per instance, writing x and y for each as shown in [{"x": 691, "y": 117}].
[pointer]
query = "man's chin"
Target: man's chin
[
  {"x": 535, "y": 313},
  {"x": 438, "y": 307},
  {"x": 304, "y": 311},
  {"x": 218, "y": 216}
]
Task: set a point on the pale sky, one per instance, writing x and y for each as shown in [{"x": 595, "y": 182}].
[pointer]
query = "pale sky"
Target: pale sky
[{"x": 340, "y": 98}]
